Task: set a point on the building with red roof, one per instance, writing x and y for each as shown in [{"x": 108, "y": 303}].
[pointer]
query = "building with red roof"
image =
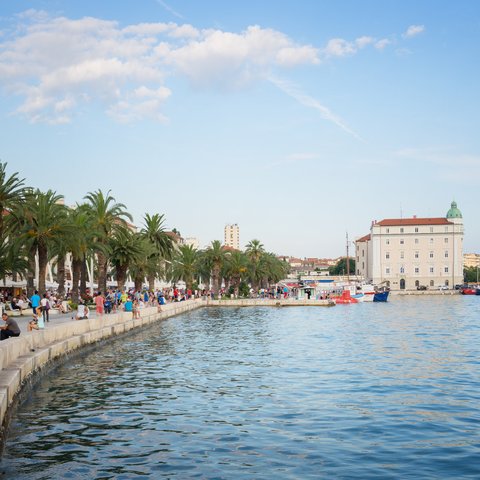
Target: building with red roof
[{"x": 409, "y": 253}]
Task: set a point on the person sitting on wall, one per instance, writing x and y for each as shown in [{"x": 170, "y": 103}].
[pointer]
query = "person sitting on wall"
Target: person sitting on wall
[
  {"x": 82, "y": 311},
  {"x": 10, "y": 329},
  {"x": 128, "y": 305}
]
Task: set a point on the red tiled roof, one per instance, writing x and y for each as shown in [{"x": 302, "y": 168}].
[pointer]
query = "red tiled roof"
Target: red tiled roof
[
  {"x": 390, "y": 222},
  {"x": 364, "y": 238}
]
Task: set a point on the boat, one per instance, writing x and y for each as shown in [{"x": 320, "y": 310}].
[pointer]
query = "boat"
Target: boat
[
  {"x": 381, "y": 296},
  {"x": 344, "y": 298},
  {"x": 469, "y": 291},
  {"x": 477, "y": 291}
]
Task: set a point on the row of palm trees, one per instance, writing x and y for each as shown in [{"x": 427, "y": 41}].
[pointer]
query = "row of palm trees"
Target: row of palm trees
[{"x": 36, "y": 226}]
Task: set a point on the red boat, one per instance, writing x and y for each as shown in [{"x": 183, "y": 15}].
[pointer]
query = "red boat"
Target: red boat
[
  {"x": 345, "y": 297},
  {"x": 468, "y": 291}
]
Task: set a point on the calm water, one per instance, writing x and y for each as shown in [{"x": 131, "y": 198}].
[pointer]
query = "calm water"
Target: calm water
[{"x": 356, "y": 391}]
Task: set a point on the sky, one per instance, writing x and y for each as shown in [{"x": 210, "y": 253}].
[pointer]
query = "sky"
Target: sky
[{"x": 299, "y": 120}]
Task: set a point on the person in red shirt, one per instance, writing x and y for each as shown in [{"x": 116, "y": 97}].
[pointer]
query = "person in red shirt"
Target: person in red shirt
[{"x": 99, "y": 302}]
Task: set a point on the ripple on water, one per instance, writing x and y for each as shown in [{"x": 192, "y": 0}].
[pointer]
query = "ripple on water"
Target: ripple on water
[{"x": 370, "y": 391}]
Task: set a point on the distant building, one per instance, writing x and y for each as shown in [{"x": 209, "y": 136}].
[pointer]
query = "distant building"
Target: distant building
[
  {"x": 405, "y": 253},
  {"x": 471, "y": 260},
  {"x": 192, "y": 241},
  {"x": 232, "y": 236}
]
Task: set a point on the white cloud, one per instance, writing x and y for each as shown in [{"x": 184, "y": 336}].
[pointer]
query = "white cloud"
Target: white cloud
[
  {"x": 414, "y": 30},
  {"x": 54, "y": 64},
  {"x": 381, "y": 44}
]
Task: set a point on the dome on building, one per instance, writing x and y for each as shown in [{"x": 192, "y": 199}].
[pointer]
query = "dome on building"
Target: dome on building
[{"x": 454, "y": 212}]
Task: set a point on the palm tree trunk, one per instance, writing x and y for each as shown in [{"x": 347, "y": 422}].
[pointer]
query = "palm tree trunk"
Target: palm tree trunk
[
  {"x": 102, "y": 272},
  {"x": 151, "y": 282},
  {"x": 42, "y": 268},
  {"x": 83, "y": 277},
  {"x": 76, "y": 268},
  {"x": 138, "y": 280},
  {"x": 31, "y": 271},
  {"x": 61, "y": 275},
  {"x": 121, "y": 277}
]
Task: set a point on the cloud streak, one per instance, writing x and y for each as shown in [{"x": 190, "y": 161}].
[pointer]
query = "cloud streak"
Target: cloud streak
[{"x": 294, "y": 92}]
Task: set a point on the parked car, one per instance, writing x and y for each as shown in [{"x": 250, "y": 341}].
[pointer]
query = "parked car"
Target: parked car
[
  {"x": 442, "y": 287},
  {"x": 422, "y": 287}
]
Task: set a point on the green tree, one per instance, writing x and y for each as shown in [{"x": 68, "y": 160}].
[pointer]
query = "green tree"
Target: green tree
[
  {"x": 236, "y": 269},
  {"x": 185, "y": 265},
  {"x": 254, "y": 252},
  {"x": 341, "y": 267},
  {"x": 125, "y": 250},
  {"x": 43, "y": 223},
  {"x": 214, "y": 258},
  {"x": 155, "y": 233},
  {"x": 471, "y": 274},
  {"x": 107, "y": 217},
  {"x": 11, "y": 195}
]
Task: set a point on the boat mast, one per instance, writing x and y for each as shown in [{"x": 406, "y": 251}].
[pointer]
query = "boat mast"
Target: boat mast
[{"x": 348, "y": 262}]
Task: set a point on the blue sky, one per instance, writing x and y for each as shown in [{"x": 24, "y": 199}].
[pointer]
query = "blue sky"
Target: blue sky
[{"x": 298, "y": 120}]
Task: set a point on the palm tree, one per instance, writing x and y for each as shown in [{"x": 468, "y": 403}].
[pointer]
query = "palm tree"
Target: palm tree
[
  {"x": 254, "y": 252},
  {"x": 79, "y": 243},
  {"x": 11, "y": 194},
  {"x": 270, "y": 269},
  {"x": 214, "y": 258},
  {"x": 157, "y": 236},
  {"x": 236, "y": 269},
  {"x": 185, "y": 265},
  {"x": 125, "y": 250},
  {"x": 107, "y": 217},
  {"x": 43, "y": 224}
]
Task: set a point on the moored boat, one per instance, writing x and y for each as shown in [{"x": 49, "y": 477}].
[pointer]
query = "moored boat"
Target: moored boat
[
  {"x": 469, "y": 291},
  {"x": 381, "y": 296}
]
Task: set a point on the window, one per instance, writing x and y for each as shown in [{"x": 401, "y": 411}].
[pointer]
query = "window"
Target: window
[
  {"x": 446, "y": 240},
  {"x": 446, "y": 253},
  {"x": 363, "y": 253},
  {"x": 431, "y": 240},
  {"x": 416, "y": 229},
  {"x": 416, "y": 240},
  {"x": 431, "y": 229},
  {"x": 431, "y": 269},
  {"x": 402, "y": 255},
  {"x": 431, "y": 254},
  {"x": 388, "y": 230},
  {"x": 363, "y": 265},
  {"x": 387, "y": 270},
  {"x": 417, "y": 270},
  {"x": 401, "y": 230},
  {"x": 445, "y": 269},
  {"x": 402, "y": 269},
  {"x": 387, "y": 255},
  {"x": 401, "y": 241},
  {"x": 446, "y": 229},
  {"x": 416, "y": 255},
  {"x": 432, "y": 283},
  {"x": 387, "y": 241}
]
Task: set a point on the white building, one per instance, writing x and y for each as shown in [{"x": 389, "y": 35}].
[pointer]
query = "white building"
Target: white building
[
  {"x": 406, "y": 253},
  {"x": 232, "y": 236},
  {"x": 193, "y": 241}
]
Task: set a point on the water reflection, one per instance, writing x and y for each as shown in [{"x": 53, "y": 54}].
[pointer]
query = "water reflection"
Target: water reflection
[{"x": 356, "y": 391}]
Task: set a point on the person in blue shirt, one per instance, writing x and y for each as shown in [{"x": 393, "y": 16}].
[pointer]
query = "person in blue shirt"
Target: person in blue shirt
[
  {"x": 35, "y": 301},
  {"x": 128, "y": 305}
]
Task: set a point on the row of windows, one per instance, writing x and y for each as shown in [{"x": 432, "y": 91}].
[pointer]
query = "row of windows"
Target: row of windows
[
  {"x": 415, "y": 230},
  {"x": 417, "y": 241},
  {"x": 388, "y": 270},
  {"x": 416, "y": 254}
]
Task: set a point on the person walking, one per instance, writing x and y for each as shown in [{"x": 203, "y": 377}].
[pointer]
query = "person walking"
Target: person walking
[
  {"x": 99, "y": 302},
  {"x": 10, "y": 329},
  {"x": 35, "y": 302},
  {"x": 45, "y": 304}
]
